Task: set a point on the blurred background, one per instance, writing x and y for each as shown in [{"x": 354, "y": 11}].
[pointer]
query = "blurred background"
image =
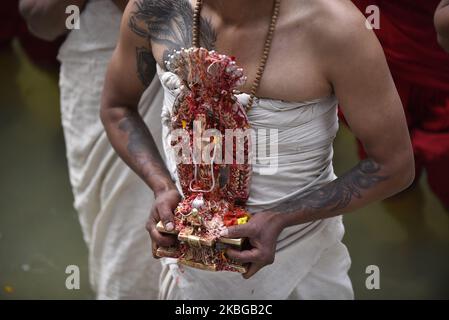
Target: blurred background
[{"x": 406, "y": 237}]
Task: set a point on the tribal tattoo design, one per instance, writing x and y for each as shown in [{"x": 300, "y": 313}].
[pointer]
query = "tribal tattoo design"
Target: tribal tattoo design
[
  {"x": 168, "y": 23},
  {"x": 141, "y": 147},
  {"x": 338, "y": 194}
]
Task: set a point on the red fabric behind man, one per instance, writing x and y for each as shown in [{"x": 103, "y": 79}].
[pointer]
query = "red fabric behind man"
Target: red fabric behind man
[{"x": 420, "y": 69}]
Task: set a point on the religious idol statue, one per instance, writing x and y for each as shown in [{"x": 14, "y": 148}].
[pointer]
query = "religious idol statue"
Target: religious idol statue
[{"x": 215, "y": 176}]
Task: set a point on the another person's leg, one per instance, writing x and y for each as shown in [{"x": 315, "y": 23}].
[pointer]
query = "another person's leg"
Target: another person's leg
[
  {"x": 112, "y": 202},
  {"x": 121, "y": 252}
]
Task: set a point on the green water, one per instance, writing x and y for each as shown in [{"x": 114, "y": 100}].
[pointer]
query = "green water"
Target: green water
[{"x": 40, "y": 234}]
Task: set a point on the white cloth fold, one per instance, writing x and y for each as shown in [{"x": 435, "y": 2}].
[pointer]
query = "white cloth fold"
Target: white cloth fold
[{"x": 112, "y": 202}]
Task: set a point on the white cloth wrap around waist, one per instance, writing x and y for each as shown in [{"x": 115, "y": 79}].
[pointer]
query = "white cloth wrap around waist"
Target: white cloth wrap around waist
[
  {"x": 304, "y": 163},
  {"x": 112, "y": 201}
]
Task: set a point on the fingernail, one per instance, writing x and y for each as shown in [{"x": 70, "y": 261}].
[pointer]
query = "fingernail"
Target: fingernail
[
  {"x": 169, "y": 226},
  {"x": 224, "y": 233}
]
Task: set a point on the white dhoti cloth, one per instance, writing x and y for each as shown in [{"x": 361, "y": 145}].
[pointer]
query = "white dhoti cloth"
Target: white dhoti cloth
[
  {"x": 311, "y": 261},
  {"x": 112, "y": 202}
]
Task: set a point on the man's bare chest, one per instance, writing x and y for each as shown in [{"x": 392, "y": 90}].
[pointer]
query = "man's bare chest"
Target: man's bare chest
[{"x": 292, "y": 71}]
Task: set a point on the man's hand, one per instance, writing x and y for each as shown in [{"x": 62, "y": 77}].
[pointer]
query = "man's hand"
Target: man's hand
[
  {"x": 162, "y": 210},
  {"x": 262, "y": 230},
  {"x": 46, "y": 18},
  {"x": 442, "y": 24}
]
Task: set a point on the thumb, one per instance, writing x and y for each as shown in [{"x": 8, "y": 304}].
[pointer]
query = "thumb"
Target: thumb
[
  {"x": 238, "y": 231},
  {"x": 166, "y": 216}
]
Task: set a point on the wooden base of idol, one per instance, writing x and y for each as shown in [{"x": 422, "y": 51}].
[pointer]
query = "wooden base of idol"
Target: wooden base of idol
[
  {"x": 238, "y": 242},
  {"x": 196, "y": 241}
]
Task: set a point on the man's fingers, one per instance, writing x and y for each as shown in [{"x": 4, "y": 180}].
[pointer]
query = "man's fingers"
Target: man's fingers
[
  {"x": 162, "y": 240},
  {"x": 154, "y": 248},
  {"x": 241, "y": 231},
  {"x": 166, "y": 216},
  {"x": 246, "y": 256},
  {"x": 253, "y": 269}
]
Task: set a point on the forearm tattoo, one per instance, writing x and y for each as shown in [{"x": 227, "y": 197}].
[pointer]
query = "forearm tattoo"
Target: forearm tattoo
[
  {"x": 167, "y": 23},
  {"x": 145, "y": 65},
  {"x": 142, "y": 149},
  {"x": 339, "y": 193}
]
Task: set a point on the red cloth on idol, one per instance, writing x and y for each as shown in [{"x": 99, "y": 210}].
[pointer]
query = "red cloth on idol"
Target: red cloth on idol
[{"x": 420, "y": 69}]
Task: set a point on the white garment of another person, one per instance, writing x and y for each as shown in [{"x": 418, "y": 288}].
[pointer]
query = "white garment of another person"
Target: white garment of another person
[
  {"x": 311, "y": 261},
  {"x": 113, "y": 203}
]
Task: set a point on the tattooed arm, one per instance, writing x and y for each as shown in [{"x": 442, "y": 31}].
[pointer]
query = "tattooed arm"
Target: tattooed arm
[
  {"x": 149, "y": 27},
  {"x": 357, "y": 69},
  {"x": 442, "y": 24},
  {"x": 129, "y": 73},
  {"x": 149, "y": 30},
  {"x": 354, "y": 63}
]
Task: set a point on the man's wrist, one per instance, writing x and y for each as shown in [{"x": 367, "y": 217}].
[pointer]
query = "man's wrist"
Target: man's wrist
[
  {"x": 164, "y": 187},
  {"x": 280, "y": 220},
  {"x": 289, "y": 219}
]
